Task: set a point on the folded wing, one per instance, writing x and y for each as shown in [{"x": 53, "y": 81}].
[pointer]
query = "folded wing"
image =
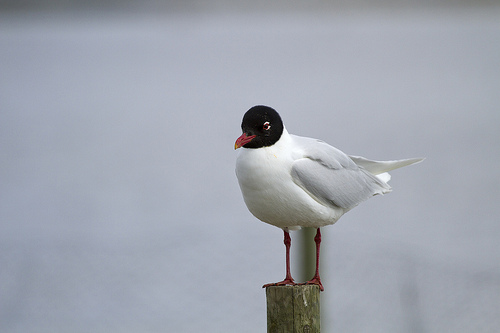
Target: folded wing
[{"x": 333, "y": 178}]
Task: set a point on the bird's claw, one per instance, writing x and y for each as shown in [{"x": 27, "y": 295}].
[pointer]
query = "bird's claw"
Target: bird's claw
[
  {"x": 285, "y": 282},
  {"x": 315, "y": 280}
]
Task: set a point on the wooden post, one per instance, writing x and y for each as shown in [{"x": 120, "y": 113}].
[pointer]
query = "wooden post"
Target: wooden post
[
  {"x": 293, "y": 309},
  {"x": 305, "y": 237}
]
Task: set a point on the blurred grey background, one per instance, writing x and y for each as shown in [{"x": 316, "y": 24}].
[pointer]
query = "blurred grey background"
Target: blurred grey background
[{"x": 119, "y": 206}]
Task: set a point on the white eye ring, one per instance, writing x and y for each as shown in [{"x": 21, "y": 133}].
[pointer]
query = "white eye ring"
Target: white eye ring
[{"x": 266, "y": 126}]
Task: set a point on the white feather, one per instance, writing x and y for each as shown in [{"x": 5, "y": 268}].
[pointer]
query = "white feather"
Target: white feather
[{"x": 303, "y": 182}]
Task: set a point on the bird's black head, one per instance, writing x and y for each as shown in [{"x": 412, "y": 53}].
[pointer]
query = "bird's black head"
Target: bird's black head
[{"x": 261, "y": 126}]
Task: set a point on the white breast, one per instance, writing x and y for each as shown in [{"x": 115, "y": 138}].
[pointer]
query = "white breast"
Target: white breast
[{"x": 271, "y": 195}]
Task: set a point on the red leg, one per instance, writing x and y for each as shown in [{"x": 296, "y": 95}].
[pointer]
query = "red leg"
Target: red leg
[
  {"x": 288, "y": 278},
  {"x": 316, "y": 279}
]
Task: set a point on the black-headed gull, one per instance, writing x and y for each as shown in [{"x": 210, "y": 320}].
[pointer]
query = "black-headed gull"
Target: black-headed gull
[{"x": 291, "y": 181}]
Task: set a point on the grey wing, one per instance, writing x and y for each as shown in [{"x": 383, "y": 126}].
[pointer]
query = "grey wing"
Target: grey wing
[{"x": 332, "y": 178}]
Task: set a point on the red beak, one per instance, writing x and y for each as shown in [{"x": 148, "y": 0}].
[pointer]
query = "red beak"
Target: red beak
[{"x": 243, "y": 140}]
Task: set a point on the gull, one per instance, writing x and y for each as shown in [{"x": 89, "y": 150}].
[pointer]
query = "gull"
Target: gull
[{"x": 291, "y": 181}]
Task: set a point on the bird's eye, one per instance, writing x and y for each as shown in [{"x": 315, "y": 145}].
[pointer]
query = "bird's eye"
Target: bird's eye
[{"x": 266, "y": 126}]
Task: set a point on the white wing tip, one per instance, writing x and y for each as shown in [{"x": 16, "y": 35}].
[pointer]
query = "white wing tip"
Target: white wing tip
[{"x": 385, "y": 177}]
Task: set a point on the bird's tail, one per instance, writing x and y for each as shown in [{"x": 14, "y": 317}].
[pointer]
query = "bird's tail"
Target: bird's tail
[{"x": 381, "y": 168}]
